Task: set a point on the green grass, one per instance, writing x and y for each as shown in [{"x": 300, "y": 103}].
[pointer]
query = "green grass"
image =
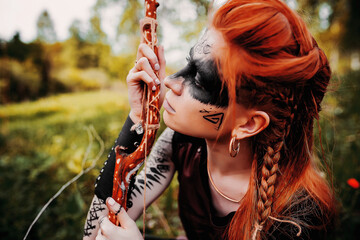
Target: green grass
[
  {"x": 55, "y": 126},
  {"x": 42, "y": 144}
]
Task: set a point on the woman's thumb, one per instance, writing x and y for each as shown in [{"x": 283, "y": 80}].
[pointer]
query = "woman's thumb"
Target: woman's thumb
[{"x": 120, "y": 213}]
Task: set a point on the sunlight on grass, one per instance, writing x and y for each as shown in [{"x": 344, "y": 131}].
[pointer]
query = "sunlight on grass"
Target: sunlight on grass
[
  {"x": 42, "y": 144},
  {"x": 54, "y": 126},
  {"x": 62, "y": 108}
]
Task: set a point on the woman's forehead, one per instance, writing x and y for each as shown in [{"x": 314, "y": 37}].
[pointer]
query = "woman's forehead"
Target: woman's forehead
[{"x": 204, "y": 48}]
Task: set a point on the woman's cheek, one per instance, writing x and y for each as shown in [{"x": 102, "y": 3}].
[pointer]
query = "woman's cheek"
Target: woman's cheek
[{"x": 214, "y": 117}]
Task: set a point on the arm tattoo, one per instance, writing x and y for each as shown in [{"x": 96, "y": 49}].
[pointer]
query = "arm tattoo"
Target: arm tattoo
[
  {"x": 98, "y": 205},
  {"x": 158, "y": 165}
]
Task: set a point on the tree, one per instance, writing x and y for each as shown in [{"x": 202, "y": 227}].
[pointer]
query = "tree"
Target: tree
[
  {"x": 15, "y": 48},
  {"x": 45, "y": 28},
  {"x": 76, "y": 31},
  {"x": 45, "y": 35}
]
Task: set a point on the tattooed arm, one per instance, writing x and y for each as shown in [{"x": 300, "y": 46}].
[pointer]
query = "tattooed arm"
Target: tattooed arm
[
  {"x": 159, "y": 172},
  {"x": 97, "y": 210}
]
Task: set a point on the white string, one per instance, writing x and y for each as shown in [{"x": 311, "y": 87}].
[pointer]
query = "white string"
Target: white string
[
  {"x": 288, "y": 221},
  {"x": 258, "y": 228},
  {"x": 146, "y": 139}
]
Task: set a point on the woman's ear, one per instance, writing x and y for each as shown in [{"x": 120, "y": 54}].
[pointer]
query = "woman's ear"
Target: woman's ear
[{"x": 257, "y": 122}]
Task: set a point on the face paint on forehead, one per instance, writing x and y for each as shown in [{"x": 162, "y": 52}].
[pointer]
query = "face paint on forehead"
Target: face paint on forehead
[
  {"x": 201, "y": 75},
  {"x": 204, "y": 45}
]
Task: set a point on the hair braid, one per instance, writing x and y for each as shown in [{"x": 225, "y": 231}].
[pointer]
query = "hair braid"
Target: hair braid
[
  {"x": 266, "y": 188},
  {"x": 283, "y": 99}
]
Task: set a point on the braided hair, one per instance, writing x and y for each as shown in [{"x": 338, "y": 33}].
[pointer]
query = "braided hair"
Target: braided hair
[{"x": 271, "y": 62}]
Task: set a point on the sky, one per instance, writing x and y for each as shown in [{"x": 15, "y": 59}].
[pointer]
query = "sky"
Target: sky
[{"x": 21, "y": 15}]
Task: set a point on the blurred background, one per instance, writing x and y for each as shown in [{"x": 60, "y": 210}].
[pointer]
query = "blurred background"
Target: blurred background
[{"x": 63, "y": 66}]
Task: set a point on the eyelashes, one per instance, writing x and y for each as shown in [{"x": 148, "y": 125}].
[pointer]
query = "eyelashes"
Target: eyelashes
[
  {"x": 198, "y": 82},
  {"x": 192, "y": 71}
]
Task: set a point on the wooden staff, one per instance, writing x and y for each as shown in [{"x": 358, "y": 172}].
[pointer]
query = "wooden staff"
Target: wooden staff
[{"x": 127, "y": 165}]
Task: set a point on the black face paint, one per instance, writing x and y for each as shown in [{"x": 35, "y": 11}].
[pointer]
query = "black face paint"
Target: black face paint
[
  {"x": 204, "y": 82},
  {"x": 204, "y": 111}
]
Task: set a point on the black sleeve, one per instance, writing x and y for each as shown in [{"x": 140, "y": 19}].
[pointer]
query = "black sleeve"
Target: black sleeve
[{"x": 128, "y": 139}]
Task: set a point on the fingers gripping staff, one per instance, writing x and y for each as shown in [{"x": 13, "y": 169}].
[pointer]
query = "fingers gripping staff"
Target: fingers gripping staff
[{"x": 127, "y": 165}]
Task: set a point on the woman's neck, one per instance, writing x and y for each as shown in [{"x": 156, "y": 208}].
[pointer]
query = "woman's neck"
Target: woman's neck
[
  {"x": 221, "y": 161},
  {"x": 228, "y": 176}
]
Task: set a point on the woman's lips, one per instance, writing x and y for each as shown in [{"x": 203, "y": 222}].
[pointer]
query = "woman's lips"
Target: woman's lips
[{"x": 168, "y": 107}]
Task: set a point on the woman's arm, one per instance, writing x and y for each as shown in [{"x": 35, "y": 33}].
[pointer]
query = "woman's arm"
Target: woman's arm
[
  {"x": 142, "y": 72},
  {"x": 97, "y": 210},
  {"x": 159, "y": 172}
]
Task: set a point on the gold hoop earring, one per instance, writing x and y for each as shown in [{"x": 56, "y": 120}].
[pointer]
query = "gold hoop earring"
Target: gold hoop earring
[{"x": 232, "y": 150}]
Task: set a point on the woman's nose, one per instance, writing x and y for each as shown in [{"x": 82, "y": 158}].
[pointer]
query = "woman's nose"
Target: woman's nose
[{"x": 175, "y": 84}]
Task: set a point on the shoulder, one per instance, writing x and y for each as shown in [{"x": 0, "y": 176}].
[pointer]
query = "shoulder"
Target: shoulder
[{"x": 303, "y": 211}]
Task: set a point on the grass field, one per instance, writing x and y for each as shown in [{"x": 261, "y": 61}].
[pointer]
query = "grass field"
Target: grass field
[{"x": 42, "y": 144}]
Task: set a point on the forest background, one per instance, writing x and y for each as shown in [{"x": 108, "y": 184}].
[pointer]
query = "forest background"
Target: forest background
[{"x": 54, "y": 94}]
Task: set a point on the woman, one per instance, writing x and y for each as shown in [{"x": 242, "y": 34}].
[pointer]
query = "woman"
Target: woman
[{"x": 240, "y": 118}]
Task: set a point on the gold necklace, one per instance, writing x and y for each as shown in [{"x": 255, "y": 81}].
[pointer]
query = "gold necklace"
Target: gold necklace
[{"x": 216, "y": 189}]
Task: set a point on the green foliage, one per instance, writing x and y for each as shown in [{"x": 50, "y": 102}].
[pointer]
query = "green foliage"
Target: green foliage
[
  {"x": 16, "y": 49},
  {"x": 340, "y": 134},
  {"x": 29, "y": 71},
  {"x": 85, "y": 61},
  {"x": 351, "y": 37},
  {"x": 18, "y": 81},
  {"x": 42, "y": 144},
  {"x": 133, "y": 12},
  {"x": 96, "y": 34}
]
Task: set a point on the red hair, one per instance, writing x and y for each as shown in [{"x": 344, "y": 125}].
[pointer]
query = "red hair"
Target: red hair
[{"x": 271, "y": 62}]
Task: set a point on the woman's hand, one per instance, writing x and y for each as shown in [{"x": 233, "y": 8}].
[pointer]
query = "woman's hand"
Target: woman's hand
[
  {"x": 143, "y": 72},
  {"x": 109, "y": 231}
]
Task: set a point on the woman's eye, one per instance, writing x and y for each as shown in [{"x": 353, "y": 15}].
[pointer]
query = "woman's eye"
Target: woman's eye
[{"x": 197, "y": 80}]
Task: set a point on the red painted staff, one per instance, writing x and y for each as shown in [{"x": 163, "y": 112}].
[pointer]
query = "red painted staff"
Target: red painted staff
[{"x": 127, "y": 165}]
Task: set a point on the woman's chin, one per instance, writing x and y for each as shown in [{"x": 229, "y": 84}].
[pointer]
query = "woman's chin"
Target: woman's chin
[{"x": 166, "y": 119}]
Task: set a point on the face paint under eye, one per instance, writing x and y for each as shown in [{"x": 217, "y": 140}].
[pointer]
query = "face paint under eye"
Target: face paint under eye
[
  {"x": 204, "y": 81},
  {"x": 197, "y": 81},
  {"x": 206, "y": 86}
]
